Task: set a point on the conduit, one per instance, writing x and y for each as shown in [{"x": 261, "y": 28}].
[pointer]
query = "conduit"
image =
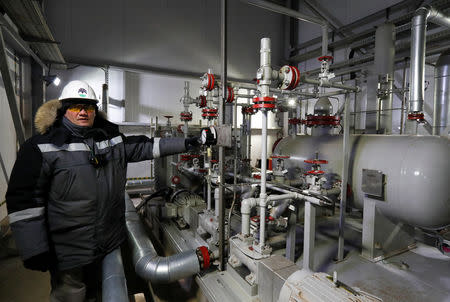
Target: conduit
[{"x": 156, "y": 269}]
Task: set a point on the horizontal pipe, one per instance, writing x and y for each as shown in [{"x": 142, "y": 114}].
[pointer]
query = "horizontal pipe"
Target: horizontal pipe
[
  {"x": 306, "y": 80},
  {"x": 285, "y": 11},
  {"x": 148, "y": 265},
  {"x": 114, "y": 284}
]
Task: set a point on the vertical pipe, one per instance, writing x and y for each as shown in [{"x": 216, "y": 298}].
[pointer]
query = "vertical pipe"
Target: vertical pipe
[
  {"x": 309, "y": 234},
  {"x": 441, "y": 93},
  {"x": 263, "y": 194},
  {"x": 114, "y": 284},
  {"x": 404, "y": 99},
  {"x": 324, "y": 40},
  {"x": 223, "y": 31},
  {"x": 384, "y": 70},
  {"x": 345, "y": 152},
  {"x": 263, "y": 87},
  {"x": 417, "y": 66}
]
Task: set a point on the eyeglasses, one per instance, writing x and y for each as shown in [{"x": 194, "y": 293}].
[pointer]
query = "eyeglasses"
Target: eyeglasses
[{"x": 78, "y": 107}]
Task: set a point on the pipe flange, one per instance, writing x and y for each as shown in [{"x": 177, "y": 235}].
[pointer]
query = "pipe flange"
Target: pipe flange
[
  {"x": 230, "y": 95},
  {"x": 419, "y": 117},
  {"x": 202, "y": 101},
  {"x": 264, "y": 103},
  {"x": 248, "y": 110},
  {"x": 322, "y": 120},
  {"x": 186, "y": 116},
  {"x": 290, "y": 76},
  {"x": 204, "y": 257},
  {"x": 209, "y": 113},
  {"x": 208, "y": 81},
  {"x": 294, "y": 121},
  {"x": 316, "y": 161}
]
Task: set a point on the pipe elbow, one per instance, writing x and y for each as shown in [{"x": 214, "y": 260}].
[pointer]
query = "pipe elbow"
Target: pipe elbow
[{"x": 247, "y": 205}]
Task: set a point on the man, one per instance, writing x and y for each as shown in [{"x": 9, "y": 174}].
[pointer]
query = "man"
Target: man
[{"x": 66, "y": 192}]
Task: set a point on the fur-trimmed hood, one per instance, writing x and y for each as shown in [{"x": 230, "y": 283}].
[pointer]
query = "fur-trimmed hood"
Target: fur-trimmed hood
[{"x": 47, "y": 115}]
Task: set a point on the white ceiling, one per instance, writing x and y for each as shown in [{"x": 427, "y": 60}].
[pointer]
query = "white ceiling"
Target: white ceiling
[{"x": 168, "y": 34}]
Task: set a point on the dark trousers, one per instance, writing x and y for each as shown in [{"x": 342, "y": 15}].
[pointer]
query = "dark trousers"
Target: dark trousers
[{"x": 81, "y": 284}]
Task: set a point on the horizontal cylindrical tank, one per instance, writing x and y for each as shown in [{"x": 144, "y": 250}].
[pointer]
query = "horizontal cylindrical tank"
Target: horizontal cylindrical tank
[{"x": 416, "y": 169}]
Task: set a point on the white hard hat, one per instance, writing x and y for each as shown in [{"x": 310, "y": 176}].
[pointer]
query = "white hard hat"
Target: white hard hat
[{"x": 78, "y": 91}]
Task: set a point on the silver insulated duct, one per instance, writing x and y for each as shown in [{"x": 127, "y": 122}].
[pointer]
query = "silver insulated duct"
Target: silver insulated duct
[
  {"x": 418, "y": 38},
  {"x": 441, "y": 93},
  {"x": 149, "y": 265}
]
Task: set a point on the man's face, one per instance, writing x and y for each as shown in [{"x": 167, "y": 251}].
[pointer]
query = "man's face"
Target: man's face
[{"x": 81, "y": 114}]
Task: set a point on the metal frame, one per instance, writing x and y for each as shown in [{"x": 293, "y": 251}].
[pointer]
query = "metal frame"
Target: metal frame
[{"x": 10, "y": 94}]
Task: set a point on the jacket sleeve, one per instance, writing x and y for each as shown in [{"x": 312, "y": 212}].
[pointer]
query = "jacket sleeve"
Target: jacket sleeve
[
  {"x": 139, "y": 148},
  {"x": 26, "y": 200}
]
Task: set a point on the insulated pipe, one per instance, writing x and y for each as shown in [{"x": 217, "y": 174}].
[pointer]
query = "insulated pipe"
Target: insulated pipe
[
  {"x": 418, "y": 41},
  {"x": 114, "y": 284},
  {"x": 441, "y": 93},
  {"x": 151, "y": 267}
]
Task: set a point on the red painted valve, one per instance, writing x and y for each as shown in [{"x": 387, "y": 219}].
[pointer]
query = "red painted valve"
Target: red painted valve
[
  {"x": 315, "y": 172},
  {"x": 325, "y": 58}
]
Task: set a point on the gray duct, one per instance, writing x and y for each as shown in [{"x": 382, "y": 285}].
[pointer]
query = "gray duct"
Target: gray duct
[
  {"x": 441, "y": 93},
  {"x": 147, "y": 263},
  {"x": 114, "y": 284},
  {"x": 418, "y": 36}
]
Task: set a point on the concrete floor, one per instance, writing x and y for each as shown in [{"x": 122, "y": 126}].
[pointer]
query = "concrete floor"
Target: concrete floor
[{"x": 18, "y": 284}]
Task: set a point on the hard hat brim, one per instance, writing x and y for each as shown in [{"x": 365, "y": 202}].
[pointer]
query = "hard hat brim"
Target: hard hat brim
[{"x": 79, "y": 101}]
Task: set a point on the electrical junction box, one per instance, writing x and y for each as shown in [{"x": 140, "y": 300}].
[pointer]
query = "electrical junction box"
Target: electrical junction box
[{"x": 373, "y": 183}]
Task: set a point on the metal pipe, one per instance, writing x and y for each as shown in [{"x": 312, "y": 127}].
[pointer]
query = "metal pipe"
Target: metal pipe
[
  {"x": 404, "y": 99},
  {"x": 249, "y": 203},
  {"x": 324, "y": 39},
  {"x": 114, "y": 283},
  {"x": 384, "y": 69},
  {"x": 441, "y": 93},
  {"x": 344, "y": 180},
  {"x": 223, "y": 34},
  {"x": 418, "y": 42},
  {"x": 148, "y": 265},
  {"x": 285, "y": 11},
  {"x": 306, "y": 80}
]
